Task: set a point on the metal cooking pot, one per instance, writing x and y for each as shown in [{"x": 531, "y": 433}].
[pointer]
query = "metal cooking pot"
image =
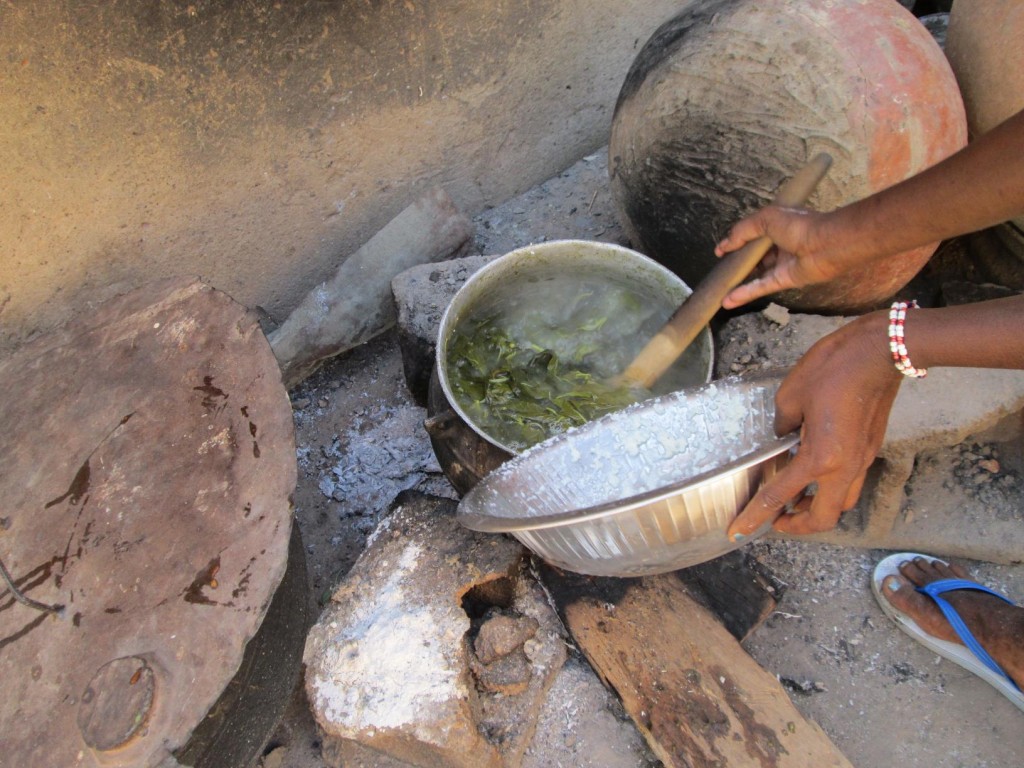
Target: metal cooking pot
[{"x": 518, "y": 270}]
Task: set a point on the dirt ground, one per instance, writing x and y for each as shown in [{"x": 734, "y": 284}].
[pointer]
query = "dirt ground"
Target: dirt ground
[{"x": 884, "y": 700}]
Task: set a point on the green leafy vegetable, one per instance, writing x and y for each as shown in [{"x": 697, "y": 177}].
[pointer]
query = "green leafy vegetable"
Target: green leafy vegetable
[{"x": 522, "y": 392}]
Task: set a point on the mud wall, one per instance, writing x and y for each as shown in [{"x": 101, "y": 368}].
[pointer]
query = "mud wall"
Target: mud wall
[{"x": 255, "y": 144}]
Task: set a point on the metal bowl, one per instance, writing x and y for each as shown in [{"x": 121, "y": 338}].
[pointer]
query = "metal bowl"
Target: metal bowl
[
  {"x": 504, "y": 281},
  {"x": 649, "y": 489}
]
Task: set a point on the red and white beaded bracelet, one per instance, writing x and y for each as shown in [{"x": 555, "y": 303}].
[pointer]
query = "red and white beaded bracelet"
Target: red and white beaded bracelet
[{"x": 897, "y": 316}]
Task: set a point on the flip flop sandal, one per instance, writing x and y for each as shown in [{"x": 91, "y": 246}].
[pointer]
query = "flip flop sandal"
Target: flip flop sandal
[{"x": 971, "y": 656}]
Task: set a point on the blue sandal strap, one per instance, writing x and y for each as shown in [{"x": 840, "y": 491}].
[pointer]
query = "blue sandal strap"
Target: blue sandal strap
[
  {"x": 950, "y": 585},
  {"x": 936, "y": 589}
]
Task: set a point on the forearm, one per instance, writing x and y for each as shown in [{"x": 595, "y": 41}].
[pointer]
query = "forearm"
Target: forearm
[
  {"x": 978, "y": 187},
  {"x": 987, "y": 334}
]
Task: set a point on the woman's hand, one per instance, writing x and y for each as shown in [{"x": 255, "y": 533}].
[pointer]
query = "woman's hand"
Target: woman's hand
[
  {"x": 981, "y": 185},
  {"x": 839, "y": 396},
  {"x": 795, "y": 260}
]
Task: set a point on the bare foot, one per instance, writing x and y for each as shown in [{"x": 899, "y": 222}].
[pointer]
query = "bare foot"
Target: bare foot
[{"x": 997, "y": 625}]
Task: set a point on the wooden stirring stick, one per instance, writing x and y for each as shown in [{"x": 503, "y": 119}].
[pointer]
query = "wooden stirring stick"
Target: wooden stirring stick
[{"x": 731, "y": 270}]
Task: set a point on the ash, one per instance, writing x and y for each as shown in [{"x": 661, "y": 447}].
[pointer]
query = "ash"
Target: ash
[{"x": 384, "y": 452}]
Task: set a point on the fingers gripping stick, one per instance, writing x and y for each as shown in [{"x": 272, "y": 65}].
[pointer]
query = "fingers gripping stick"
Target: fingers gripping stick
[{"x": 731, "y": 270}]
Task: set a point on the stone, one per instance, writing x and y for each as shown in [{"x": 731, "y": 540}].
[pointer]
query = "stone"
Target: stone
[
  {"x": 509, "y": 675},
  {"x": 355, "y": 305},
  {"x": 777, "y": 314},
  {"x": 388, "y": 663},
  {"x": 148, "y": 467},
  {"x": 512, "y": 719},
  {"x": 498, "y": 660},
  {"x": 929, "y": 414},
  {"x": 989, "y": 465},
  {"x": 421, "y": 295},
  {"x": 501, "y": 635},
  {"x": 352, "y": 754}
]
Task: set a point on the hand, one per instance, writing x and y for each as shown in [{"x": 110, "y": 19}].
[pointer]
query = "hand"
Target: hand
[
  {"x": 839, "y": 396},
  {"x": 794, "y": 261}
]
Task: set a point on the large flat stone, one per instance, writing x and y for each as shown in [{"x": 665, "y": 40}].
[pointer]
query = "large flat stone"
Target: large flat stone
[
  {"x": 942, "y": 410},
  {"x": 148, "y": 464},
  {"x": 389, "y": 662}
]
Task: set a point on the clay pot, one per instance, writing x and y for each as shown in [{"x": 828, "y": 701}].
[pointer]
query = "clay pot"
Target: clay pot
[
  {"x": 728, "y": 99},
  {"x": 985, "y": 46}
]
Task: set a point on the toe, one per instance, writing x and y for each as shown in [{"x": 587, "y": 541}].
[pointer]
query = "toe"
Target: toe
[
  {"x": 958, "y": 572},
  {"x": 898, "y": 591},
  {"x": 936, "y": 570},
  {"x": 921, "y": 571},
  {"x": 892, "y": 584},
  {"x": 913, "y": 571}
]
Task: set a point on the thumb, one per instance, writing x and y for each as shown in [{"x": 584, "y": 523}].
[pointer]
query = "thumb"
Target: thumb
[{"x": 767, "y": 504}]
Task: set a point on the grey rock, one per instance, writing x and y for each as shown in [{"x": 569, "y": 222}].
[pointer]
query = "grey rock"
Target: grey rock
[
  {"x": 354, "y": 306},
  {"x": 501, "y": 635},
  {"x": 508, "y": 675},
  {"x": 421, "y": 294},
  {"x": 387, "y": 664}
]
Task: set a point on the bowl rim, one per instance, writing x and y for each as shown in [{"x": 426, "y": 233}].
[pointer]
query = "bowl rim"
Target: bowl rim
[{"x": 485, "y": 523}]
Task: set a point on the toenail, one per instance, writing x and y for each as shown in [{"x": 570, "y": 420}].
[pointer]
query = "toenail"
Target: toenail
[{"x": 892, "y": 583}]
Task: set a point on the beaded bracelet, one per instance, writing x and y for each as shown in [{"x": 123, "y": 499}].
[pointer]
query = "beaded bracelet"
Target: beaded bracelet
[{"x": 897, "y": 315}]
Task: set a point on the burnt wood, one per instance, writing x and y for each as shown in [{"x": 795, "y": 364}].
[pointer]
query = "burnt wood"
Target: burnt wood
[
  {"x": 738, "y": 590},
  {"x": 684, "y": 679}
]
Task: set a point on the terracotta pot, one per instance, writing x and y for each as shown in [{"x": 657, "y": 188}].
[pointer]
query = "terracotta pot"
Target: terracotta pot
[
  {"x": 985, "y": 46},
  {"x": 729, "y": 98}
]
